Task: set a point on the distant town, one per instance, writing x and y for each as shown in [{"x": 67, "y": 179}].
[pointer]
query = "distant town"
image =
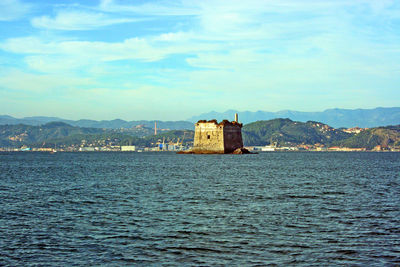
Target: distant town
[
  {"x": 108, "y": 145},
  {"x": 259, "y": 136}
]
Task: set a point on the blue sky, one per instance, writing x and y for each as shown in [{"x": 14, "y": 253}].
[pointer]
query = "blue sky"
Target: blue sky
[{"x": 170, "y": 60}]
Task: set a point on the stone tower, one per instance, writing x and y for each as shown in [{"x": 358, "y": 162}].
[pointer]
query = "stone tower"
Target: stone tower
[{"x": 220, "y": 138}]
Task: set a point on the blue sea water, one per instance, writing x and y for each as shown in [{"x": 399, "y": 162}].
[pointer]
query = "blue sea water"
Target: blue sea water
[{"x": 167, "y": 209}]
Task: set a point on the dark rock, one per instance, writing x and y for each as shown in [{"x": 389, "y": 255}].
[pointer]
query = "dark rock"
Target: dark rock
[
  {"x": 238, "y": 151},
  {"x": 241, "y": 150}
]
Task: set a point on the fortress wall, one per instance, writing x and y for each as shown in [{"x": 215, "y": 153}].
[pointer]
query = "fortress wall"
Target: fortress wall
[
  {"x": 232, "y": 138},
  {"x": 209, "y": 137}
]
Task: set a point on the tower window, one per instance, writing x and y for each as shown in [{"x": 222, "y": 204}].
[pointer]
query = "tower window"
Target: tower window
[{"x": 208, "y": 136}]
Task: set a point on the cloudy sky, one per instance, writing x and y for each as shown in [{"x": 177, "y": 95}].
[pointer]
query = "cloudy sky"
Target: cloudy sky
[{"x": 170, "y": 60}]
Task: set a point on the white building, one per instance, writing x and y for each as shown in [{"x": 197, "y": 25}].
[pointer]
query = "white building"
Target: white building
[{"x": 128, "y": 148}]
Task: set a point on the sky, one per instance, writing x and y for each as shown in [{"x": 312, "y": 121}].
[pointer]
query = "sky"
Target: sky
[{"x": 170, "y": 60}]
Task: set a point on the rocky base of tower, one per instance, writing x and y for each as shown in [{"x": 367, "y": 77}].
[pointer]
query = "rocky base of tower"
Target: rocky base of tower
[
  {"x": 242, "y": 150},
  {"x": 237, "y": 151}
]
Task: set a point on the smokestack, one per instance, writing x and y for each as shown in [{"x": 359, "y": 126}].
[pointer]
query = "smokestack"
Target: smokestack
[
  {"x": 236, "y": 117},
  {"x": 155, "y": 128}
]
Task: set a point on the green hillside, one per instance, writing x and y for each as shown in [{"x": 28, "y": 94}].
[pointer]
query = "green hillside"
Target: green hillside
[
  {"x": 280, "y": 132},
  {"x": 383, "y": 136},
  {"x": 16, "y": 135},
  {"x": 61, "y": 134},
  {"x": 121, "y": 139},
  {"x": 287, "y": 132}
]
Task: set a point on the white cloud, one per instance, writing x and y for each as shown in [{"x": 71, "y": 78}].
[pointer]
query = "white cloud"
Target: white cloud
[
  {"x": 36, "y": 46},
  {"x": 22, "y": 81},
  {"x": 13, "y": 9},
  {"x": 175, "y": 37},
  {"x": 55, "y": 64},
  {"x": 169, "y": 8},
  {"x": 133, "y": 48},
  {"x": 77, "y": 20},
  {"x": 234, "y": 59},
  {"x": 246, "y": 50}
]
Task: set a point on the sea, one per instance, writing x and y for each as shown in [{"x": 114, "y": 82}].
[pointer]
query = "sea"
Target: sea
[{"x": 165, "y": 209}]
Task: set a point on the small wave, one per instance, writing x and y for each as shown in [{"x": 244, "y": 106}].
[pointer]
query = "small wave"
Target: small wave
[
  {"x": 333, "y": 193},
  {"x": 303, "y": 196},
  {"x": 346, "y": 251},
  {"x": 196, "y": 249},
  {"x": 374, "y": 233}
]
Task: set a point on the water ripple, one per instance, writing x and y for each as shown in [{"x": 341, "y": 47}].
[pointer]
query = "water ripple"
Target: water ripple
[{"x": 162, "y": 208}]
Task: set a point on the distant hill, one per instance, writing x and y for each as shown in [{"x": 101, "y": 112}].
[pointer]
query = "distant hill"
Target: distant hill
[
  {"x": 334, "y": 117},
  {"x": 383, "y": 136},
  {"x": 109, "y": 124},
  {"x": 287, "y": 132},
  {"x": 20, "y": 134},
  {"x": 281, "y": 132},
  {"x": 62, "y": 134},
  {"x": 365, "y": 118},
  {"x": 120, "y": 139}
]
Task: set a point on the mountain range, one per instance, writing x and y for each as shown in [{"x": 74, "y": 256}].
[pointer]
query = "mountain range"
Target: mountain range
[
  {"x": 280, "y": 132},
  {"x": 108, "y": 124},
  {"x": 337, "y": 118}
]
